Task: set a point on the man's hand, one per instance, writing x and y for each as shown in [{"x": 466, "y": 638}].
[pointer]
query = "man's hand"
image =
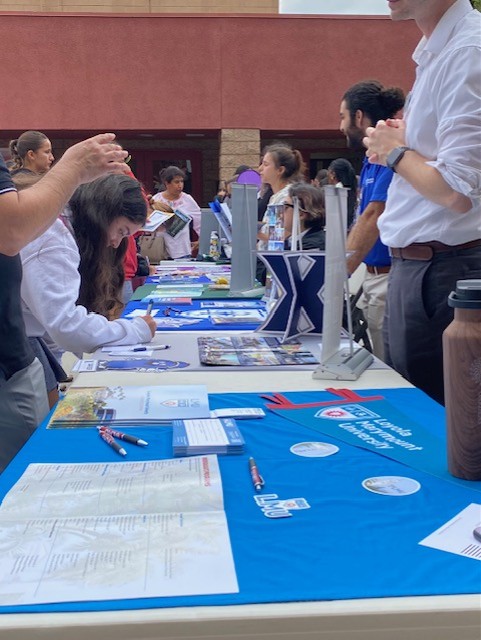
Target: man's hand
[
  {"x": 383, "y": 138},
  {"x": 152, "y": 324},
  {"x": 94, "y": 157}
]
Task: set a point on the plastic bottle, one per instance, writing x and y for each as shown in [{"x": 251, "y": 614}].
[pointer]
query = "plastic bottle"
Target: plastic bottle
[
  {"x": 462, "y": 381},
  {"x": 214, "y": 247}
]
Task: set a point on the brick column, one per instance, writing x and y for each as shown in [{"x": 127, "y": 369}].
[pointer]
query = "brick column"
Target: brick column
[{"x": 238, "y": 146}]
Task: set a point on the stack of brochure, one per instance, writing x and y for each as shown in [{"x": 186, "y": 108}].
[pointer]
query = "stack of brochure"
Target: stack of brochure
[
  {"x": 199, "y": 437},
  {"x": 130, "y": 406}
]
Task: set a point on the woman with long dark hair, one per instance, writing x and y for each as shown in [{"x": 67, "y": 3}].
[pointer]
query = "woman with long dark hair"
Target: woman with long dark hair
[
  {"x": 103, "y": 214},
  {"x": 73, "y": 274},
  {"x": 281, "y": 166}
]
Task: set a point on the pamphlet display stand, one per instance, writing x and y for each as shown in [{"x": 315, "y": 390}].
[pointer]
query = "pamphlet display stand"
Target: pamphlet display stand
[
  {"x": 244, "y": 236},
  {"x": 337, "y": 363}
]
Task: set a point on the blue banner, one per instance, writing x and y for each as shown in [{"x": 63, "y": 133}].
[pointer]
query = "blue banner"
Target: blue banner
[{"x": 371, "y": 422}]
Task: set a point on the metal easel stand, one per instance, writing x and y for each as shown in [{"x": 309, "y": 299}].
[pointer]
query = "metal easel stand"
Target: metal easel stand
[{"x": 338, "y": 363}]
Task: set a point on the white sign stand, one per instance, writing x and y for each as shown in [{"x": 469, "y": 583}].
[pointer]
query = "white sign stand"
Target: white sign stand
[
  {"x": 337, "y": 363},
  {"x": 244, "y": 237}
]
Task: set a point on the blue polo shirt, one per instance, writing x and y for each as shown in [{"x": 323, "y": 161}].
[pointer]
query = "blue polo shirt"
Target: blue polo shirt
[{"x": 375, "y": 180}]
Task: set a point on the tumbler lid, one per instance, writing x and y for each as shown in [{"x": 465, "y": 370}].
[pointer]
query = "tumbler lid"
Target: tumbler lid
[{"x": 467, "y": 295}]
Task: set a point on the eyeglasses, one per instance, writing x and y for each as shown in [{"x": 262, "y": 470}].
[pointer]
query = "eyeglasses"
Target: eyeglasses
[{"x": 288, "y": 204}]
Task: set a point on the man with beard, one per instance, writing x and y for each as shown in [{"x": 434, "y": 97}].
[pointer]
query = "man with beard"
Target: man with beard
[
  {"x": 432, "y": 220},
  {"x": 362, "y": 106}
]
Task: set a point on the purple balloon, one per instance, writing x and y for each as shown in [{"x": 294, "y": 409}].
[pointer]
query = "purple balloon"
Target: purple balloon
[{"x": 249, "y": 177}]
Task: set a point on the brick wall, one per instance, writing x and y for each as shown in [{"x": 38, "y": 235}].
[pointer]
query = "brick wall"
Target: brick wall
[{"x": 142, "y": 6}]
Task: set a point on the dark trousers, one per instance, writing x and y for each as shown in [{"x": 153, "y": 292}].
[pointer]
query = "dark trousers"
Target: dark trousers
[{"x": 417, "y": 313}]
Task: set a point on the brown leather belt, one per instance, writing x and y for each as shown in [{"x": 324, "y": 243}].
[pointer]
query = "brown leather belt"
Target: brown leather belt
[
  {"x": 377, "y": 270},
  {"x": 425, "y": 250}
]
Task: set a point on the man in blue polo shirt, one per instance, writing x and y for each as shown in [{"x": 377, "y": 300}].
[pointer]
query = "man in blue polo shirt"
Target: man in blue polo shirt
[
  {"x": 23, "y": 217},
  {"x": 362, "y": 106}
]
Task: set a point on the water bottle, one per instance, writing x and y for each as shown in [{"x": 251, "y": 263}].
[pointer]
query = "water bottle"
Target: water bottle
[
  {"x": 462, "y": 381},
  {"x": 214, "y": 248}
]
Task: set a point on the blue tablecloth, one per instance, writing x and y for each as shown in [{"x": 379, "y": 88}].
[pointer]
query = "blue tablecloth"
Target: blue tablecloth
[
  {"x": 187, "y": 320},
  {"x": 351, "y": 543}
]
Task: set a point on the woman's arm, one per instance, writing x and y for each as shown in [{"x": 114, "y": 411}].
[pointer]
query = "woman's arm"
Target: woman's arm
[{"x": 50, "y": 288}]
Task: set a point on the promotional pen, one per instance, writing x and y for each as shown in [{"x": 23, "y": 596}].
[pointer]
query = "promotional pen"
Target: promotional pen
[
  {"x": 123, "y": 436},
  {"x": 108, "y": 438},
  {"x": 150, "y": 306},
  {"x": 152, "y": 347},
  {"x": 257, "y": 480}
]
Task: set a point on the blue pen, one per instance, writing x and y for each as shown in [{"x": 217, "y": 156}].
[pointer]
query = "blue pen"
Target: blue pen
[
  {"x": 153, "y": 347},
  {"x": 150, "y": 306}
]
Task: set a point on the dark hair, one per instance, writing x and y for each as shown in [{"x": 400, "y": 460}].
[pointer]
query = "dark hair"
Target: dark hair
[
  {"x": 374, "y": 100},
  {"x": 344, "y": 172},
  {"x": 289, "y": 158},
  {"x": 28, "y": 141},
  {"x": 311, "y": 200},
  {"x": 169, "y": 173},
  {"x": 321, "y": 177},
  {"x": 93, "y": 207},
  {"x": 240, "y": 169}
]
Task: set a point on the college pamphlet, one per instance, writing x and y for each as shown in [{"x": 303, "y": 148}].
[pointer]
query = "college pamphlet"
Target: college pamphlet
[
  {"x": 209, "y": 435},
  {"x": 107, "y": 531},
  {"x": 133, "y": 406},
  {"x": 252, "y": 350}
]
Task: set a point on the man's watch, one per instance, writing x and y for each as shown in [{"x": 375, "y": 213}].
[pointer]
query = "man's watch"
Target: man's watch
[{"x": 395, "y": 156}]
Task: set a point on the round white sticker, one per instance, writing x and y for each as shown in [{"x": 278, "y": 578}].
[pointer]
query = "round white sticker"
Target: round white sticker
[
  {"x": 391, "y": 485},
  {"x": 314, "y": 449}
]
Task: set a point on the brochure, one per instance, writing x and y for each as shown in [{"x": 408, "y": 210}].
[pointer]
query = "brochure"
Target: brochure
[
  {"x": 161, "y": 300},
  {"x": 132, "y": 406},
  {"x": 237, "y": 316},
  {"x": 142, "y": 365},
  {"x": 158, "y": 295},
  {"x": 224, "y": 218},
  {"x": 232, "y": 304},
  {"x": 177, "y": 222},
  {"x": 211, "y": 435},
  {"x": 155, "y": 220},
  {"x": 114, "y": 531},
  {"x": 252, "y": 351}
]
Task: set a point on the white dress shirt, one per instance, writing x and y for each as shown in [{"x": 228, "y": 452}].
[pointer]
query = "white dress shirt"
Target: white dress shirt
[
  {"x": 50, "y": 288},
  {"x": 443, "y": 123}
]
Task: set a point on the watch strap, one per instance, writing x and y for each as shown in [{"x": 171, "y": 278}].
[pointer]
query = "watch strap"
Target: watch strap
[{"x": 395, "y": 156}]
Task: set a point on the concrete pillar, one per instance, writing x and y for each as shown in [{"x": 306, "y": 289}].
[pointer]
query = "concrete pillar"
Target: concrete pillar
[{"x": 238, "y": 146}]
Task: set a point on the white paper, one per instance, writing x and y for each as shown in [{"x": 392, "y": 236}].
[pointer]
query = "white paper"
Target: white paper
[
  {"x": 132, "y": 355},
  {"x": 202, "y": 433},
  {"x": 241, "y": 412},
  {"x": 122, "y": 349},
  {"x": 155, "y": 220},
  {"x": 141, "y": 312},
  {"x": 78, "y": 532},
  {"x": 456, "y": 536}
]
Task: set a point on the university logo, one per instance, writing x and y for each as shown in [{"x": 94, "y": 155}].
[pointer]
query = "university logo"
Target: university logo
[{"x": 346, "y": 412}]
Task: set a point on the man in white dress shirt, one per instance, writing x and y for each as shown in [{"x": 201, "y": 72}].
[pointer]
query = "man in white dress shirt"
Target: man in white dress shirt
[{"x": 432, "y": 220}]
